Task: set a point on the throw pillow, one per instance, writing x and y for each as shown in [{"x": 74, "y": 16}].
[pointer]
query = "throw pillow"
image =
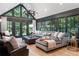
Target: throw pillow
[
  {"x": 20, "y": 42},
  {"x": 5, "y": 38},
  {"x": 56, "y": 34},
  {"x": 7, "y": 33},
  {"x": 14, "y": 42},
  {"x": 61, "y": 35}
]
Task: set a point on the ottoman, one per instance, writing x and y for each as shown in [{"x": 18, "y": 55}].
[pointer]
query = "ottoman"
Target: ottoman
[{"x": 29, "y": 39}]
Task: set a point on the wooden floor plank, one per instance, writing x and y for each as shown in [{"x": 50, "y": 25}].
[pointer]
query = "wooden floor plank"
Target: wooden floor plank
[{"x": 34, "y": 51}]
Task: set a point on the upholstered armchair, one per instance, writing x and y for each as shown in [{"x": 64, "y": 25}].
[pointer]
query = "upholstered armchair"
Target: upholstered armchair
[
  {"x": 21, "y": 51},
  {"x": 14, "y": 46}
]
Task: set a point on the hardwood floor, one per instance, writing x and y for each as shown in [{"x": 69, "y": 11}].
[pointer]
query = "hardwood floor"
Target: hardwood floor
[{"x": 34, "y": 51}]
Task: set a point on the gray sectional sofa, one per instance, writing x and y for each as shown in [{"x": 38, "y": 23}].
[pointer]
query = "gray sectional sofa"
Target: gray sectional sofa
[{"x": 60, "y": 39}]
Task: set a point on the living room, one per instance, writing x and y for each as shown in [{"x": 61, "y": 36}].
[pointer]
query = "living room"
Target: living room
[{"x": 27, "y": 30}]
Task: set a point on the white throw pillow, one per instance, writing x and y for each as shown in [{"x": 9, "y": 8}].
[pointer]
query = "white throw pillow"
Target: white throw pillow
[
  {"x": 7, "y": 33},
  {"x": 20, "y": 42},
  {"x": 56, "y": 34},
  {"x": 45, "y": 37},
  {"x": 6, "y": 38},
  {"x": 61, "y": 35}
]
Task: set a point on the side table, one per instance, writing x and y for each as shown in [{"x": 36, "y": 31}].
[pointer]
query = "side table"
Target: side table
[{"x": 73, "y": 45}]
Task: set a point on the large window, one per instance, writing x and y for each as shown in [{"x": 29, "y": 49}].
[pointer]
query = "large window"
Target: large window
[
  {"x": 30, "y": 28},
  {"x": 17, "y": 28},
  {"x": 53, "y": 25},
  {"x": 70, "y": 24},
  {"x": 9, "y": 27},
  {"x": 24, "y": 13},
  {"x": 17, "y": 12},
  {"x": 24, "y": 29},
  {"x": 9, "y": 13},
  {"x": 39, "y": 26},
  {"x": 44, "y": 26},
  {"x": 61, "y": 24}
]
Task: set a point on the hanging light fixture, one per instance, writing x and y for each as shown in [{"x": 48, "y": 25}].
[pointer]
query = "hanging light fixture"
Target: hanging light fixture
[{"x": 32, "y": 12}]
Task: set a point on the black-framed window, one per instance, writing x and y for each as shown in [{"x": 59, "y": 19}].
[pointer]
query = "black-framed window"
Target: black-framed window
[
  {"x": 61, "y": 24},
  {"x": 24, "y": 28},
  {"x": 19, "y": 11},
  {"x": 30, "y": 28},
  {"x": 19, "y": 28},
  {"x": 9, "y": 13},
  {"x": 24, "y": 13},
  {"x": 9, "y": 27}
]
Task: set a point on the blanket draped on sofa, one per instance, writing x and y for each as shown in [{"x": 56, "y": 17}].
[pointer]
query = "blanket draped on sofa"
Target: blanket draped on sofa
[{"x": 51, "y": 43}]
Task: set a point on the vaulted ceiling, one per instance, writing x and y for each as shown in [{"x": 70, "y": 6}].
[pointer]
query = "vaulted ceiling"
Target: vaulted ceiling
[{"x": 42, "y": 9}]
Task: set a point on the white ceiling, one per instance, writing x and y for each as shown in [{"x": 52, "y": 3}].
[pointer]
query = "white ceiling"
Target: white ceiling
[
  {"x": 46, "y": 9},
  {"x": 42, "y": 9}
]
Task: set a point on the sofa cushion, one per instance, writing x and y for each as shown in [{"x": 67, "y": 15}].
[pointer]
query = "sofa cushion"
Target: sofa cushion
[
  {"x": 56, "y": 34},
  {"x": 20, "y": 42},
  {"x": 46, "y": 37},
  {"x": 7, "y": 33},
  {"x": 14, "y": 42},
  {"x": 6, "y": 38},
  {"x": 42, "y": 43},
  {"x": 52, "y": 34},
  {"x": 61, "y": 35}
]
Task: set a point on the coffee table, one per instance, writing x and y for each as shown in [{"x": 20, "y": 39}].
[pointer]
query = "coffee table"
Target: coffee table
[{"x": 30, "y": 39}]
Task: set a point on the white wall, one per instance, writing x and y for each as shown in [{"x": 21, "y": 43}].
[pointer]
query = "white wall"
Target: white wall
[{"x": 3, "y": 24}]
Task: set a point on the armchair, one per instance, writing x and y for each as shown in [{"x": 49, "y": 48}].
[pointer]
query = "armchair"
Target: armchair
[{"x": 21, "y": 51}]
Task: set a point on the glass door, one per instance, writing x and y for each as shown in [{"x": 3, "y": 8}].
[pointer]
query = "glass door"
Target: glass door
[
  {"x": 17, "y": 28},
  {"x": 24, "y": 29},
  {"x": 9, "y": 27}
]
